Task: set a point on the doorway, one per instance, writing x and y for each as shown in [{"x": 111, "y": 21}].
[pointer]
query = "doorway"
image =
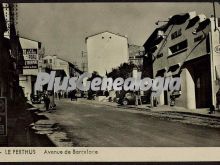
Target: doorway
[
  {"x": 202, "y": 80},
  {"x": 165, "y": 98}
]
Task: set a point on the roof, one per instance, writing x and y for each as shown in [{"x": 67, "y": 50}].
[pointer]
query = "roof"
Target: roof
[
  {"x": 29, "y": 39},
  {"x": 106, "y": 32},
  {"x": 174, "y": 20},
  {"x": 72, "y": 65}
]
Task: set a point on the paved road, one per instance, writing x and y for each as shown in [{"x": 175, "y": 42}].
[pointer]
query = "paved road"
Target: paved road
[{"x": 93, "y": 125}]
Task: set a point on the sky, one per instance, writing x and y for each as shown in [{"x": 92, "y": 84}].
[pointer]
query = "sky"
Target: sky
[{"x": 63, "y": 27}]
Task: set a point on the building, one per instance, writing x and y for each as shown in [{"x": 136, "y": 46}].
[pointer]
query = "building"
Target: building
[
  {"x": 52, "y": 62},
  {"x": 187, "y": 46},
  {"x": 84, "y": 62},
  {"x": 136, "y": 54},
  {"x": 11, "y": 54},
  {"x": 31, "y": 66},
  {"x": 5, "y": 55},
  {"x": 106, "y": 50},
  {"x": 62, "y": 67}
]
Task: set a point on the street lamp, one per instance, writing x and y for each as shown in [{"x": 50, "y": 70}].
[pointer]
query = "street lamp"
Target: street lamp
[{"x": 213, "y": 3}]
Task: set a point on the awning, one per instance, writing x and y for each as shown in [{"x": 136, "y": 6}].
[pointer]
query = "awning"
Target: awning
[
  {"x": 161, "y": 72},
  {"x": 179, "y": 19},
  {"x": 203, "y": 25},
  {"x": 174, "y": 69},
  {"x": 192, "y": 22}
]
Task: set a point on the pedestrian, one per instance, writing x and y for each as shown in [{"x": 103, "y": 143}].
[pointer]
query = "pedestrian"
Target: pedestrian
[
  {"x": 218, "y": 99},
  {"x": 75, "y": 95},
  {"x": 136, "y": 98},
  {"x": 71, "y": 96},
  {"x": 172, "y": 99},
  {"x": 59, "y": 95},
  {"x": 212, "y": 109},
  {"x": 47, "y": 102},
  {"x": 106, "y": 93}
]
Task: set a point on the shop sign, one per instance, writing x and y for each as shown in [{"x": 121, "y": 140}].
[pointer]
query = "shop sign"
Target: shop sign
[{"x": 31, "y": 58}]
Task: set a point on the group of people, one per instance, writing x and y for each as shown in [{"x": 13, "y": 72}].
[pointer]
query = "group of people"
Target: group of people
[{"x": 72, "y": 95}]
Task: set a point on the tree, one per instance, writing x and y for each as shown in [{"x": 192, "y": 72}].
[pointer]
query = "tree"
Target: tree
[
  {"x": 124, "y": 71},
  {"x": 91, "y": 93}
]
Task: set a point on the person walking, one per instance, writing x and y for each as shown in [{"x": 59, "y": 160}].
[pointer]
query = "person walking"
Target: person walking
[
  {"x": 47, "y": 102},
  {"x": 71, "y": 96},
  {"x": 59, "y": 95},
  {"x": 211, "y": 109}
]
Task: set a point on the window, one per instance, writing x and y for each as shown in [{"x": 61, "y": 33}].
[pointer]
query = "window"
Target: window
[
  {"x": 50, "y": 60},
  {"x": 176, "y": 34},
  {"x": 178, "y": 48},
  {"x": 45, "y": 61},
  {"x": 160, "y": 55},
  {"x": 199, "y": 38}
]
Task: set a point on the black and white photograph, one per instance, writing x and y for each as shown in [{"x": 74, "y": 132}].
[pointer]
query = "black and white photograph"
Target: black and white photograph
[{"x": 132, "y": 74}]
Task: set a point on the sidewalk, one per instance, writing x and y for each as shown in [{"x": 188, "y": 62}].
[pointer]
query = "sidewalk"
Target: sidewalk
[
  {"x": 49, "y": 128},
  {"x": 19, "y": 132},
  {"x": 198, "y": 117},
  {"x": 200, "y": 112},
  {"x": 160, "y": 109}
]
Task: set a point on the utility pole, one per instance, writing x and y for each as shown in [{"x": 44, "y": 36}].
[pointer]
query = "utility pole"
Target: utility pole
[{"x": 213, "y": 3}]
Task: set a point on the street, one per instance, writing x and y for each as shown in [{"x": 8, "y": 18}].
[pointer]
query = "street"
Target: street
[{"x": 91, "y": 125}]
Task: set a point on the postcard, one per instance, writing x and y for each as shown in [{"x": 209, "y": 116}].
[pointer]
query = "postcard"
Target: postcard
[{"x": 109, "y": 81}]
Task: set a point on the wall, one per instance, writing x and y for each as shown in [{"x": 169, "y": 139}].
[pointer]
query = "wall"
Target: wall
[
  {"x": 56, "y": 63},
  {"x": 25, "y": 83},
  {"x": 215, "y": 41},
  {"x": 134, "y": 51},
  {"x": 197, "y": 51},
  {"x": 106, "y": 51}
]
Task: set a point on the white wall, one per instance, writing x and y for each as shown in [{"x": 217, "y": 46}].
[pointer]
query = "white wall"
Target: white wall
[
  {"x": 57, "y": 63},
  {"x": 215, "y": 41},
  {"x": 25, "y": 83},
  {"x": 106, "y": 51}
]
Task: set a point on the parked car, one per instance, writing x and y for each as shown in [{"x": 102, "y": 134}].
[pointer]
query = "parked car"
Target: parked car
[
  {"x": 129, "y": 98},
  {"x": 35, "y": 99}
]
